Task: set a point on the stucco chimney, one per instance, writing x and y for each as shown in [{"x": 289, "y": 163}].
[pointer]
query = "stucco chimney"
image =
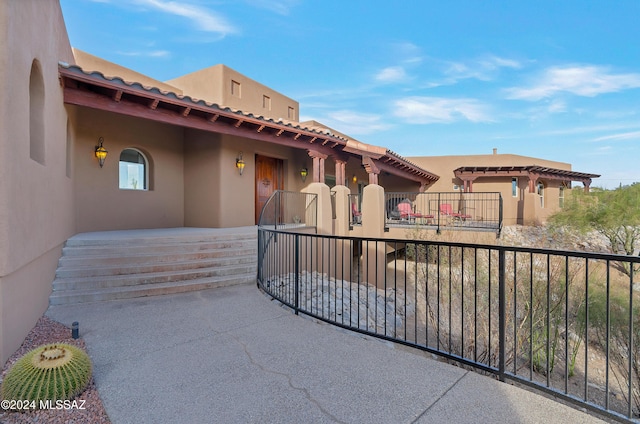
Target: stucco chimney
[{"x": 495, "y": 151}]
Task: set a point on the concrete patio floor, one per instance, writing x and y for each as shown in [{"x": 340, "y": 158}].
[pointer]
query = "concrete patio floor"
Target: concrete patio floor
[{"x": 233, "y": 355}]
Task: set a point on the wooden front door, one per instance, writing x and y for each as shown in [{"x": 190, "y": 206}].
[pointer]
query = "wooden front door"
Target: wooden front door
[{"x": 269, "y": 178}]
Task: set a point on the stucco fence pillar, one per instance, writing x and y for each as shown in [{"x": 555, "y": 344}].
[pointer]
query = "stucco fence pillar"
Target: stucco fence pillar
[
  {"x": 317, "y": 256},
  {"x": 343, "y": 248},
  {"x": 374, "y": 254}
]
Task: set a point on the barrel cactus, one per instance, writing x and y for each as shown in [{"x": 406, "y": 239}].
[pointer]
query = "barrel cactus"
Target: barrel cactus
[{"x": 51, "y": 372}]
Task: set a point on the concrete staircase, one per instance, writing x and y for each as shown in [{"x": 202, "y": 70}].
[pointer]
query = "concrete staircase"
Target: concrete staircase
[{"x": 125, "y": 264}]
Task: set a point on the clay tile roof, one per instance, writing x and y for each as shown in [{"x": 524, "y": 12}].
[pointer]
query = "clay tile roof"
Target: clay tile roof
[{"x": 101, "y": 85}]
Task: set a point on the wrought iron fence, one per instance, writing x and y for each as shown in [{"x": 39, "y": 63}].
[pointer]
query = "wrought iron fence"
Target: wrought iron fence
[
  {"x": 289, "y": 209},
  {"x": 439, "y": 210},
  {"x": 564, "y": 322}
]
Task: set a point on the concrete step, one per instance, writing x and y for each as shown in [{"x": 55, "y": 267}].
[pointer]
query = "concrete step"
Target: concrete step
[
  {"x": 152, "y": 257},
  {"x": 126, "y": 249},
  {"x": 112, "y": 268},
  {"x": 151, "y": 277},
  {"x": 113, "y": 293},
  {"x": 166, "y": 236},
  {"x": 123, "y": 264}
]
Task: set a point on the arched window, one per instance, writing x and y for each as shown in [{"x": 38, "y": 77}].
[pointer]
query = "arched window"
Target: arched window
[
  {"x": 134, "y": 171},
  {"x": 36, "y": 113}
]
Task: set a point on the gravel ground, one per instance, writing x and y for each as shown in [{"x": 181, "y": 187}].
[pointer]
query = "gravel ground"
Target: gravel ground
[{"x": 49, "y": 331}]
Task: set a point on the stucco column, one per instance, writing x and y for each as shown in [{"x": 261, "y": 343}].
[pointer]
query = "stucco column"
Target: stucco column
[
  {"x": 533, "y": 180},
  {"x": 343, "y": 210},
  {"x": 324, "y": 225},
  {"x": 372, "y": 169},
  {"x": 318, "y": 165},
  {"x": 468, "y": 185},
  {"x": 343, "y": 249},
  {"x": 324, "y": 219},
  {"x": 530, "y": 208},
  {"x": 374, "y": 254},
  {"x": 341, "y": 167}
]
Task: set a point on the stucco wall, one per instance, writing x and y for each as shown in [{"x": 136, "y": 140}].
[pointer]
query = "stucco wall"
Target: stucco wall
[
  {"x": 202, "y": 179},
  {"x": 90, "y": 63},
  {"x": 36, "y": 200},
  {"x": 216, "y": 195},
  {"x": 100, "y": 203},
  {"x": 525, "y": 208},
  {"x": 214, "y": 84}
]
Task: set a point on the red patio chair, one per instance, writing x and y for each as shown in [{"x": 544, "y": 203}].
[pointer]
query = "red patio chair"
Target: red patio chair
[
  {"x": 357, "y": 215},
  {"x": 447, "y": 210},
  {"x": 406, "y": 212}
]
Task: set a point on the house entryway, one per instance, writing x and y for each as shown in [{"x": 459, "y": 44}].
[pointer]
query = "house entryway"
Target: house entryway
[{"x": 269, "y": 178}]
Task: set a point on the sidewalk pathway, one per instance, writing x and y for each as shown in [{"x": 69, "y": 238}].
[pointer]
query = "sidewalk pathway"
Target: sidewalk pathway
[{"x": 233, "y": 355}]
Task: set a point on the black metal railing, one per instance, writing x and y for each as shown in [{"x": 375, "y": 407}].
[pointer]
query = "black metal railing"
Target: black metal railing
[
  {"x": 439, "y": 210},
  {"x": 564, "y": 322},
  {"x": 289, "y": 209}
]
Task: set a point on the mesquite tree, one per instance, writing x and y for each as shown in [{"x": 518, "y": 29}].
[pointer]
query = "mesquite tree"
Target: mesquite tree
[{"x": 613, "y": 213}]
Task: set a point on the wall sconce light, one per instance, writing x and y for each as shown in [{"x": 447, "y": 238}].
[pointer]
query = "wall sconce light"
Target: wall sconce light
[
  {"x": 354, "y": 179},
  {"x": 240, "y": 163},
  {"x": 101, "y": 152},
  {"x": 303, "y": 173}
]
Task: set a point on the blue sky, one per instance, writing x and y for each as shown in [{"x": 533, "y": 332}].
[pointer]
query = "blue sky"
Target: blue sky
[{"x": 558, "y": 80}]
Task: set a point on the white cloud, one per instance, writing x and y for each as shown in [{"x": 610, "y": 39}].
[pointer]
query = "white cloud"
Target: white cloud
[
  {"x": 409, "y": 52},
  {"x": 589, "y": 129},
  {"x": 204, "y": 19},
  {"x": 430, "y": 110},
  {"x": 482, "y": 69},
  {"x": 391, "y": 74},
  {"x": 557, "y": 106},
  {"x": 354, "y": 123},
  {"x": 281, "y": 7},
  {"x": 154, "y": 53},
  {"x": 500, "y": 62},
  {"x": 622, "y": 136},
  {"x": 587, "y": 81}
]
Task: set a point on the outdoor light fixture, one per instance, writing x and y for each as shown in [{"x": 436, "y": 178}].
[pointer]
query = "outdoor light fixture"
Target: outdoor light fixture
[
  {"x": 354, "y": 179},
  {"x": 303, "y": 173},
  {"x": 101, "y": 152},
  {"x": 240, "y": 163}
]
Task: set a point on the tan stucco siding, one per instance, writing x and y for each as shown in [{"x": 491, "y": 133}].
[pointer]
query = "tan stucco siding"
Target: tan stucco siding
[
  {"x": 29, "y": 202},
  {"x": 36, "y": 198},
  {"x": 202, "y": 182},
  {"x": 216, "y": 195},
  {"x": 100, "y": 203},
  {"x": 445, "y": 165},
  {"x": 24, "y": 297},
  {"x": 226, "y": 87},
  {"x": 525, "y": 208},
  {"x": 90, "y": 63}
]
